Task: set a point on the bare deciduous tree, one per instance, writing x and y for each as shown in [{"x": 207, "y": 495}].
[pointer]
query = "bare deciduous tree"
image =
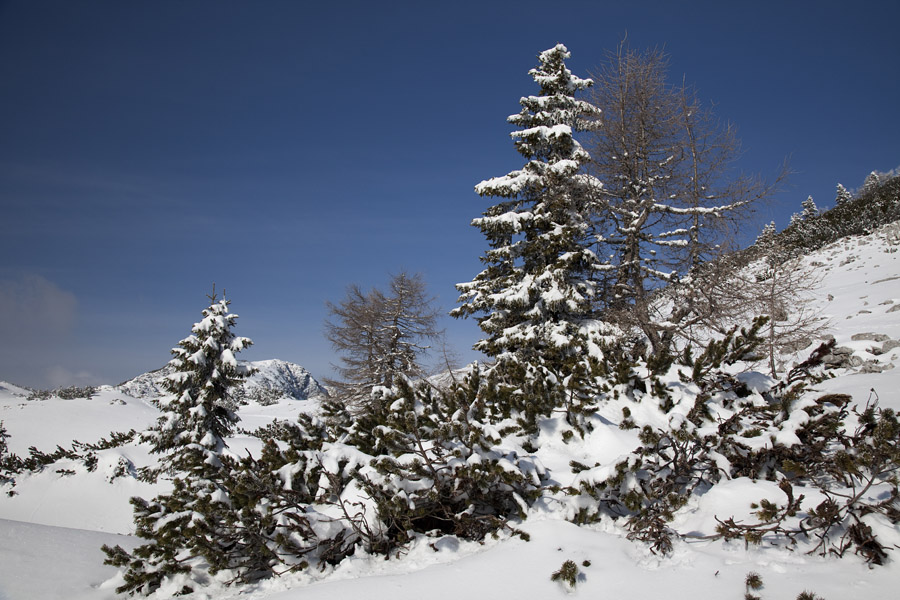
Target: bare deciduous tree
[
  {"x": 380, "y": 335},
  {"x": 783, "y": 291},
  {"x": 670, "y": 195}
]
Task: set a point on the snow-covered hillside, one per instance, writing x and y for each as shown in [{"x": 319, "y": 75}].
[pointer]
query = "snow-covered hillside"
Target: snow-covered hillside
[{"x": 52, "y": 526}]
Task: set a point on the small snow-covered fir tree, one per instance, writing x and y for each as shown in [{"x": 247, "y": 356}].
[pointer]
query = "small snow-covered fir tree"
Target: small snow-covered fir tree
[
  {"x": 842, "y": 195},
  {"x": 871, "y": 182},
  {"x": 194, "y": 526},
  {"x": 767, "y": 235},
  {"x": 198, "y": 416},
  {"x": 535, "y": 294},
  {"x": 6, "y": 470},
  {"x": 810, "y": 210}
]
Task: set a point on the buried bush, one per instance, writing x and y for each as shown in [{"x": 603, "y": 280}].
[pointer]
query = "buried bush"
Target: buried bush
[
  {"x": 442, "y": 469},
  {"x": 855, "y": 470},
  {"x": 722, "y": 430},
  {"x": 567, "y": 575}
]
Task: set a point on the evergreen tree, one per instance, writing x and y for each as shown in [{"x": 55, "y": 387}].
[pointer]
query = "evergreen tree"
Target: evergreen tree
[
  {"x": 197, "y": 417},
  {"x": 871, "y": 182},
  {"x": 536, "y": 293},
  {"x": 767, "y": 235},
  {"x": 7, "y": 460},
  {"x": 841, "y": 195},
  {"x": 810, "y": 210},
  {"x": 194, "y": 526}
]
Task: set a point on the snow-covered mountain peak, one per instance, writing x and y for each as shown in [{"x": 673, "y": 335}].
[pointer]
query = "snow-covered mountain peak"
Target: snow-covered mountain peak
[{"x": 273, "y": 379}]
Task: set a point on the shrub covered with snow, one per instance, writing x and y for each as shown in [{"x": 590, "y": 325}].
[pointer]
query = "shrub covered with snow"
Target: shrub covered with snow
[
  {"x": 716, "y": 428},
  {"x": 442, "y": 468}
]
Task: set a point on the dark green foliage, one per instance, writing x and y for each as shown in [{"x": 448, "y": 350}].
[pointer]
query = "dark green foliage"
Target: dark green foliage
[
  {"x": 844, "y": 466},
  {"x": 3, "y": 436},
  {"x": 9, "y": 463},
  {"x": 730, "y": 349},
  {"x": 195, "y": 529},
  {"x": 275, "y": 529},
  {"x": 457, "y": 480},
  {"x": 567, "y": 574},
  {"x": 435, "y": 470},
  {"x": 40, "y": 395},
  {"x": 167, "y": 522},
  {"x": 753, "y": 581},
  {"x": 64, "y": 393},
  {"x": 876, "y": 205},
  {"x": 251, "y": 517},
  {"x": 670, "y": 465},
  {"x": 528, "y": 394},
  {"x": 842, "y": 451},
  {"x": 244, "y": 518},
  {"x": 37, "y": 460},
  {"x": 72, "y": 392},
  {"x": 262, "y": 396}
]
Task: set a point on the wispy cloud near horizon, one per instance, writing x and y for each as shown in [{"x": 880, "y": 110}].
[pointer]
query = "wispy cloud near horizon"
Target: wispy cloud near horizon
[{"x": 37, "y": 317}]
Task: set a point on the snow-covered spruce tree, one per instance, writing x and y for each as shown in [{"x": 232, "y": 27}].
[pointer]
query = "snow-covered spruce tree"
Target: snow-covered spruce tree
[
  {"x": 9, "y": 463},
  {"x": 380, "y": 336},
  {"x": 190, "y": 531},
  {"x": 871, "y": 182},
  {"x": 767, "y": 235},
  {"x": 534, "y": 298},
  {"x": 810, "y": 210},
  {"x": 807, "y": 230},
  {"x": 842, "y": 195},
  {"x": 670, "y": 197},
  {"x": 196, "y": 417}
]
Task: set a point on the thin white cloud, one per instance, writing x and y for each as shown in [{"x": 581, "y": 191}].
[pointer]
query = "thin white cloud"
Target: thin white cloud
[
  {"x": 58, "y": 376},
  {"x": 35, "y": 311}
]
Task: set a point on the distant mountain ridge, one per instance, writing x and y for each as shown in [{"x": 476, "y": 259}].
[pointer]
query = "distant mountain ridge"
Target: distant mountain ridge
[{"x": 273, "y": 379}]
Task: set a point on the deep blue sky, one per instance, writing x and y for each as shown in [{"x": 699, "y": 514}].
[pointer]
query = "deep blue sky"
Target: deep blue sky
[{"x": 284, "y": 150}]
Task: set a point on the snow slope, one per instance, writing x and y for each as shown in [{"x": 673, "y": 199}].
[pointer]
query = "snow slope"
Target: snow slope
[{"x": 51, "y": 530}]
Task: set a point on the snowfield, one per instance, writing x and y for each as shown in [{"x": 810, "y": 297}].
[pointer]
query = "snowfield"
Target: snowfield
[{"x": 53, "y": 524}]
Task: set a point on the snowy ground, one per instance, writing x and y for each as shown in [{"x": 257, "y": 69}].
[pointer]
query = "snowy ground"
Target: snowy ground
[{"x": 52, "y": 528}]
